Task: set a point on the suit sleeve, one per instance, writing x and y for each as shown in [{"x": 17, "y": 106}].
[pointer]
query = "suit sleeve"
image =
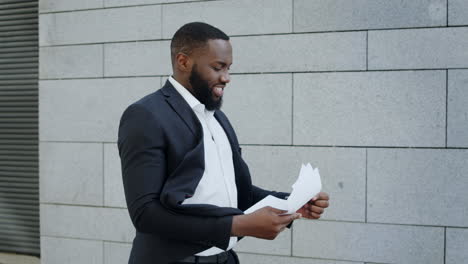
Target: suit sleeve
[
  {"x": 259, "y": 193},
  {"x": 142, "y": 152}
]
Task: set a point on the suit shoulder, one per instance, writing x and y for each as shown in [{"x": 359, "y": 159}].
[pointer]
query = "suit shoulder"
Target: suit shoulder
[
  {"x": 141, "y": 114},
  {"x": 150, "y": 102},
  {"x": 150, "y": 108}
]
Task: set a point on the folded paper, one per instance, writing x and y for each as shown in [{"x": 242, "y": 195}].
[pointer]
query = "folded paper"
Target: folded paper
[{"x": 307, "y": 185}]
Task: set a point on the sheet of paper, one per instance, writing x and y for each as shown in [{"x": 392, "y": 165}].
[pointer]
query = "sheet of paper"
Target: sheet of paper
[
  {"x": 268, "y": 201},
  {"x": 307, "y": 185}
]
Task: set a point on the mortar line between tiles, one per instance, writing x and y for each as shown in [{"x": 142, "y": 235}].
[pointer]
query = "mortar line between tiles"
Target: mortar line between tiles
[
  {"x": 103, "y": 252},
  {"x": 257, "y": 35},
  {"x": 355, "y": 147},
  {"x": 254, "y": 73},
  {"x": 365, "y": 196},
  {"x": 103, "y": 177},
  {"x": 299, "y": 257},
  {"x": 285, "y": 145},
  {"x": 292, "y": 22},
  {"x": 292, "y": 241},
  {"x": 161, "y": 21},
  {"x": 317, "y": 220},
  {"x": 292, "y": 108},
  {"x": 367, "y": 50},
  {"x": 103, "y": 61},
  {"x": 445, "y": 244},
  {"x": 124, "y": 6},
  {"x": 446, "y": 108},
  {"x": 447, "y": 13}
]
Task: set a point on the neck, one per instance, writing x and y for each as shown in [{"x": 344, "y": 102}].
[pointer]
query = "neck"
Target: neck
[{"x": 183, "y": 81}]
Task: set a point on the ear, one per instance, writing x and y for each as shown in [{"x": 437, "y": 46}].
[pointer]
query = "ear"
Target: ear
[{"x": 183, "y": 62}]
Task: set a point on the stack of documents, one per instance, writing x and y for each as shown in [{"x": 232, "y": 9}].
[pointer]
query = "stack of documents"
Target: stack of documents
[{"x": 307, "y": 185}]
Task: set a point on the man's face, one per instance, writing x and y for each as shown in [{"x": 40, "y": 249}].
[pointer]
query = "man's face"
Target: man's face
[{"x": 210, "y": 73}]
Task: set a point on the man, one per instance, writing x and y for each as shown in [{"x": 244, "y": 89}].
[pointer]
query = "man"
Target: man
[{"x": 186, "y": 184}]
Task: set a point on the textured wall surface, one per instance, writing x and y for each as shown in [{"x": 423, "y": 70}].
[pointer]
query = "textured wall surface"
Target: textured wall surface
[{"x": 373, "y": 92}]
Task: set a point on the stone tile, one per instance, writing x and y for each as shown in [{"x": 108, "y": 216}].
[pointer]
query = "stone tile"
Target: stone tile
[
  {"x": 330, "y": 15},
  {"x": 291, "y": 53},
  {"x": 260, "y": 107},
  {"x": 68, "y": 5},
  {"x": 110, "y": 3},
  {"x": 70, "y": 62},
  {"x": 113, "y": 185},
  {"x": 71, "y": 173},
  {"x": 398, "y": 108},
  {"x": 457, "y": 114},
  {"x": 85, "y": 222},
  {"x": 417, "y": 186},
  {"x": 458, "y": 12},
  {"x": 104, "y": 25},
  {"x": 137, "y": 58},
  {"x": 232, "y": 17},
  {"x": 265, "y": 259},
  {"x": 87, "y": 110},
  {"x": 342, "y": 171},
  {"x": 56, "y": 250},
  {"x": 14, "y": 258},
  {"x": 456, "y": 252},
  {"x": 418, "y": 48},
  {"x": 116, "y": 253},
  {"x": 281, "y": 245},
  {"x": 368, "y": 242},
  {"x": 300, "y": 52}
]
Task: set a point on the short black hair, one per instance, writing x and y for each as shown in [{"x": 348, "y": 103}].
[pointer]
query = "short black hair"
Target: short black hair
[{"x": 194, "y": 35}]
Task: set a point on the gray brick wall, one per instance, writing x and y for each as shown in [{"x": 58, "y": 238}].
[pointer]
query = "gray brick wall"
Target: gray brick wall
[{"x": 373, "y": 92}]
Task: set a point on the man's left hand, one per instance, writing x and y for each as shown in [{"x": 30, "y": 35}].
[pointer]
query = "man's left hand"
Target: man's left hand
[{"x": 315, "y": 207}]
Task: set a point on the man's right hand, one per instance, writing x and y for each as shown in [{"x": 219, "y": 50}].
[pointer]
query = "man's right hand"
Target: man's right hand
[{"x": 264, "y": 223}]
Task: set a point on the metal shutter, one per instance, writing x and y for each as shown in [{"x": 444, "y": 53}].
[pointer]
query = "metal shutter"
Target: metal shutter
[{"x": 19, "y": 187}]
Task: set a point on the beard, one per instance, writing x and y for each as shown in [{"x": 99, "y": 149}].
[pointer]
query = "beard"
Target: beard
[{"x": 202, "y": 91}]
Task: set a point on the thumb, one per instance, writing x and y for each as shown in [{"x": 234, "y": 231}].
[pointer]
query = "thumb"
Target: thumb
[
  {"x": 277, "y": 211},
  {"x": 295, "y": 216},
  {"x": 286, "y": 219}
]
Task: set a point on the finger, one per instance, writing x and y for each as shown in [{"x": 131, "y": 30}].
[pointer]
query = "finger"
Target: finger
[
  {"x": 303, "y": 210},
  {"x": 322, "y": 203},
  {"x": 286, "y": 219},
  {"x": 275, "y": 210},
  {"x": 313, "y": 215},
  {"x": 323, "y": 196},
  {"x": 316, "y": 209},
  {"x": 282, "y": 228}
]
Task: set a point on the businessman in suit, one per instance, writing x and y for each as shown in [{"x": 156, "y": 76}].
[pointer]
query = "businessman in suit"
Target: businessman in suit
[{"x": 186, "y": 184}]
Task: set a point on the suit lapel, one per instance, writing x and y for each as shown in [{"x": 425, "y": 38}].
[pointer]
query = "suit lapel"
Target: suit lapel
[
  {"x": 227, "y": 129},
  {"x": 181, "y": 107},
  {"x": 184, "y": 111}
]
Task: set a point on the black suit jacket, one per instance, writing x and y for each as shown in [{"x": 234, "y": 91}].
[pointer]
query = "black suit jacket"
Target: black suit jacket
[{"x": 161, "y": 149}]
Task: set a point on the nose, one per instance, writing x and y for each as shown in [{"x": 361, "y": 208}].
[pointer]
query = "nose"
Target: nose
[{"x": 225, "y": 78}]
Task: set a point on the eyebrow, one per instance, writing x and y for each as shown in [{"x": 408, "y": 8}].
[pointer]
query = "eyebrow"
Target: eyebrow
[{"x": 221, "y": 63}]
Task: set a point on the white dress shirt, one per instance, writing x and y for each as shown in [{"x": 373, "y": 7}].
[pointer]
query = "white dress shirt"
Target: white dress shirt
[{"x": 217, "y": 185}]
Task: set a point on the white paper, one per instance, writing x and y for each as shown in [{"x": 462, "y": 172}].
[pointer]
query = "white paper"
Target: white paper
[
  {"x": 268, "y": 201},
  {"x": 307, "y": 185}
]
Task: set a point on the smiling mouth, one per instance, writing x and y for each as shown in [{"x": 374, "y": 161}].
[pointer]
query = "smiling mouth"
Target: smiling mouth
[{"x": 218, "y": 91}]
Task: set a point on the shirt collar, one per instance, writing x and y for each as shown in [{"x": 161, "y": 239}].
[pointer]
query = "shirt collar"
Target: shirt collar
[{"x": 189, "y": 98}]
